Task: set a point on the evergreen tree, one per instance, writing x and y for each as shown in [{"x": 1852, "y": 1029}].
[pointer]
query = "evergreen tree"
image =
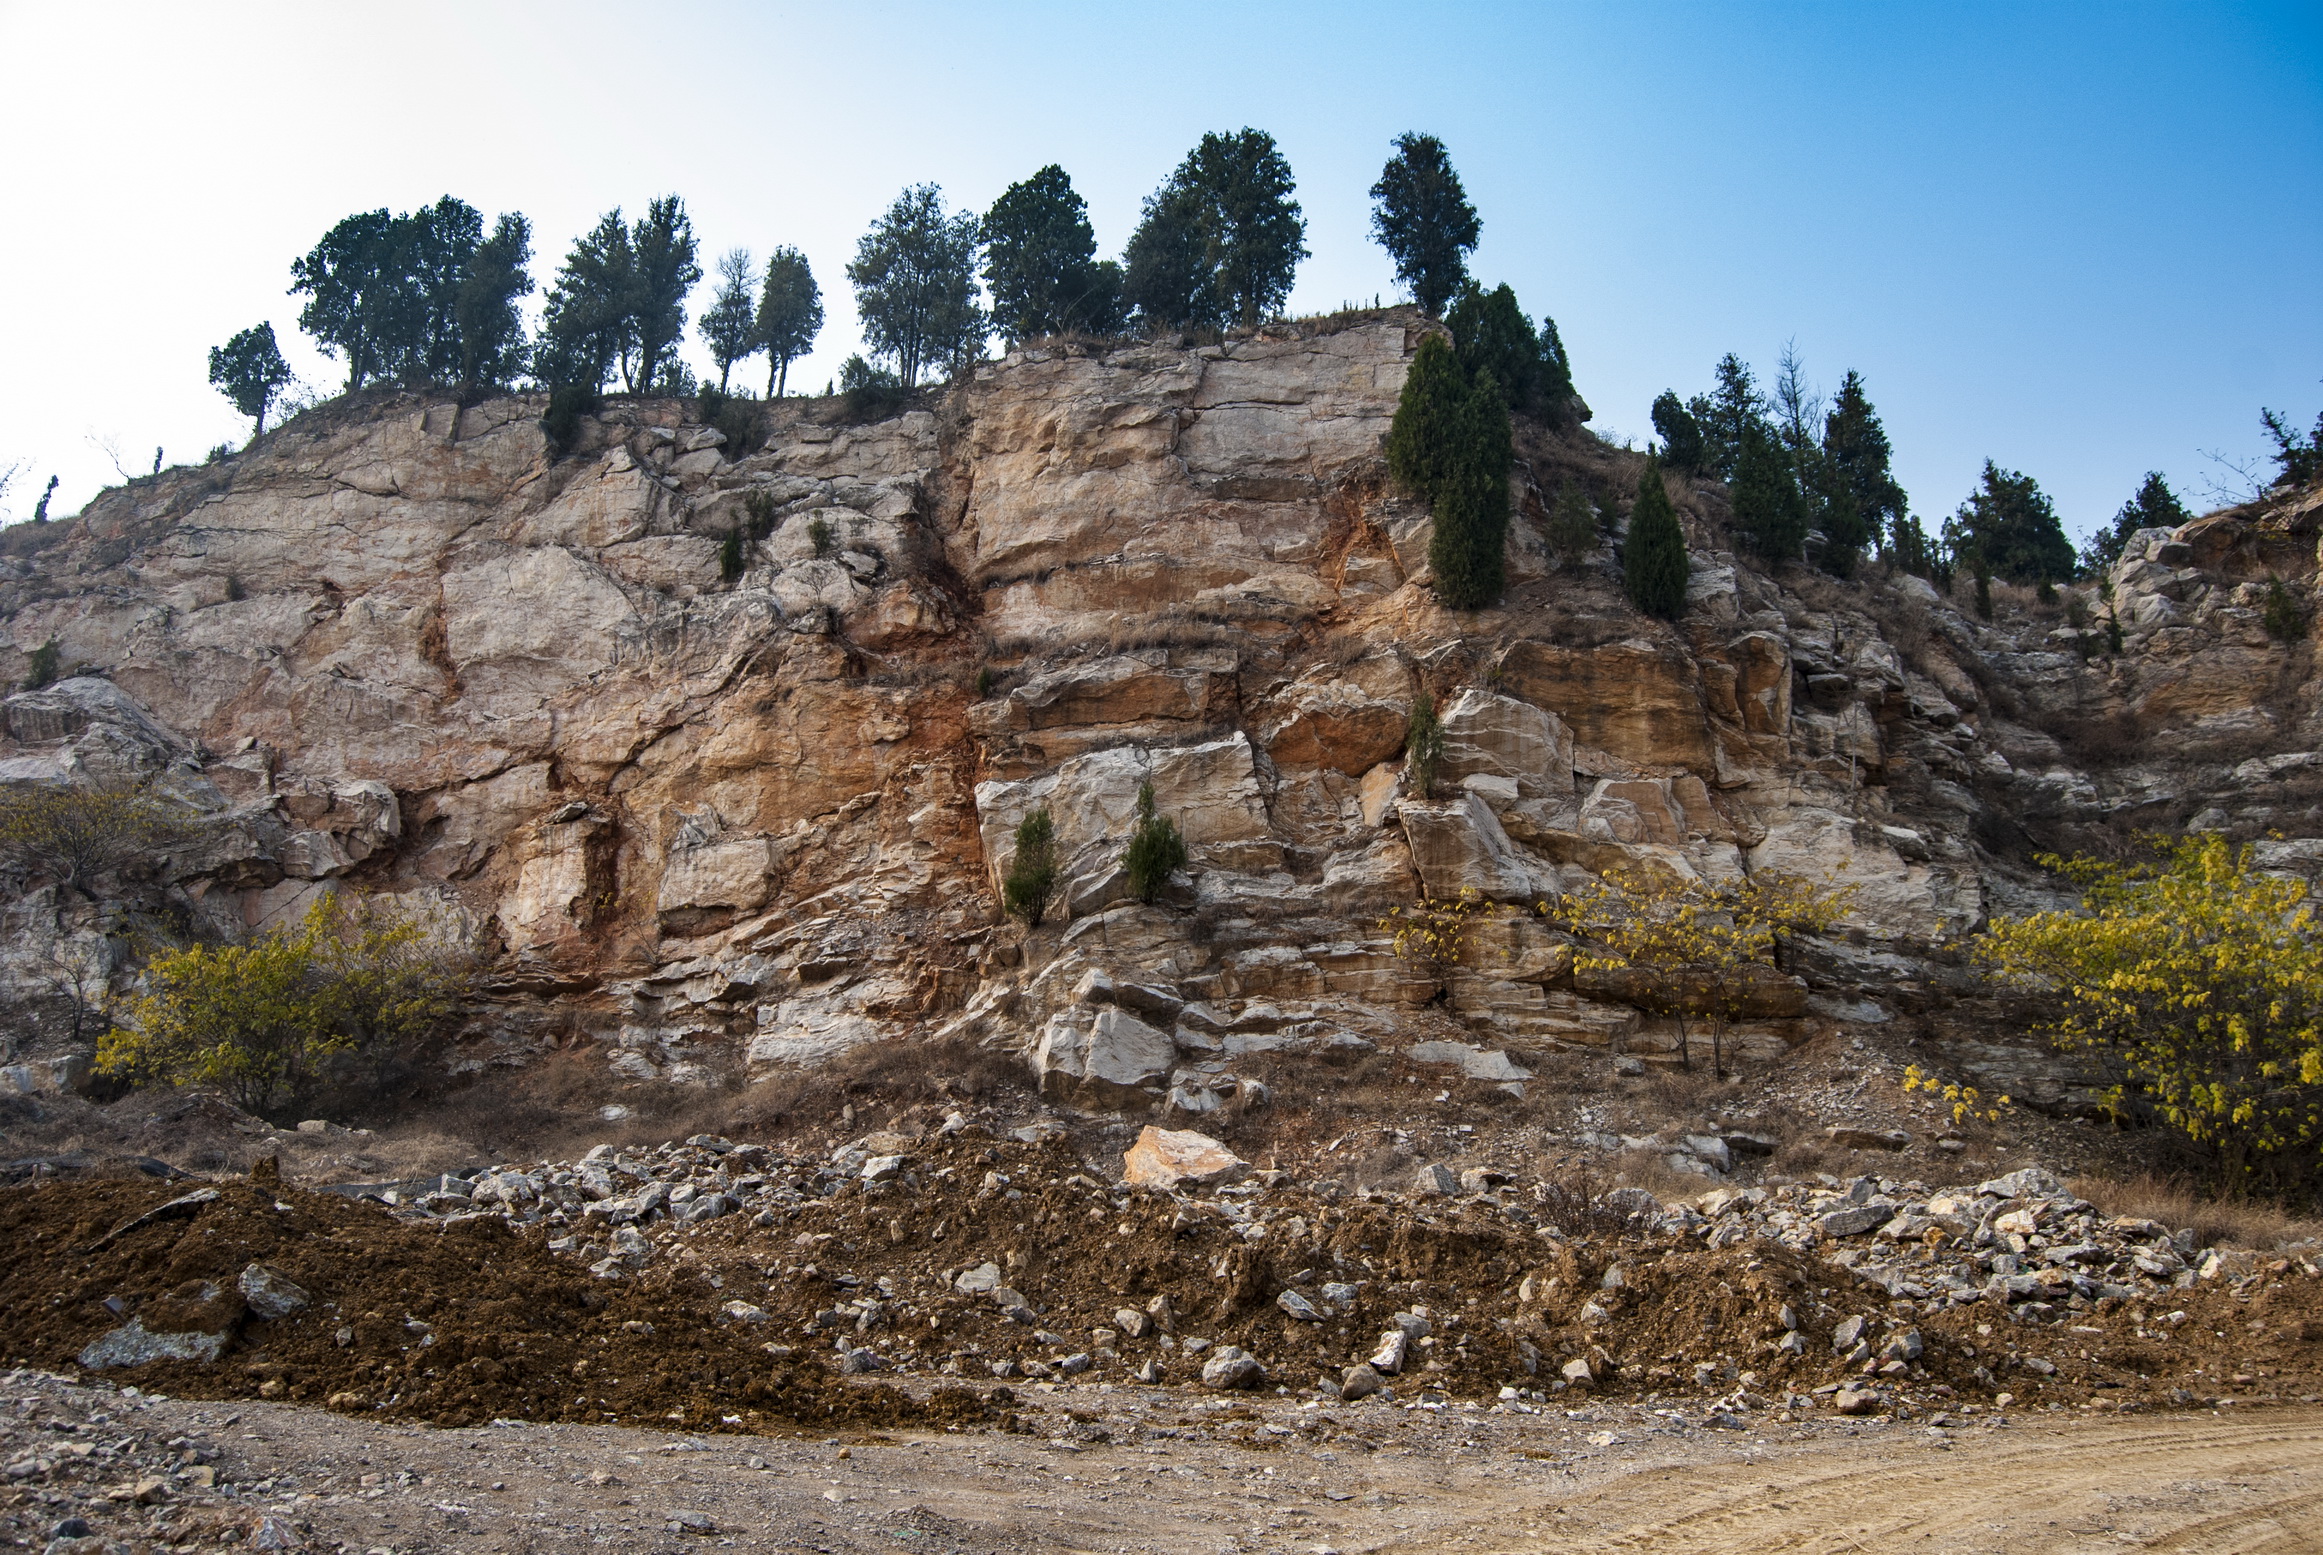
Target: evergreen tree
[
  {"x": 1468, "y": 550},
  {"x": 1221, "y": 239},
  {"x": 1722, "y": 415},
  {"x": 1653, "y": 557},
  {"x": 1423, "y": 746},
  {"x": 1770, "y": 511},
  {"x": 1680, "y": 433},
  {"x": 730, "y": 327},
  {"x": 1494, "y": 336},
  {"x": 915, "y": 286},
  {"x": 1256, "y": 233},
  {"x": 2298, "y": 456},
  {"x": 1911, "y": 551},
  {"x": 2010, "y": 529},
  {"x": 1422, "y": 437},
  {"x": 1860, "y": 497},
  {"x": 1155, "y": 850},
  {"x": 491, "y": 328},
  {"x": 1041, "y": 265},
  {"x": 1033, "y": 871},
  {"x": 588, "y": 328},
  {"x": 250, "y": 370},
  {"x": 1422, "y": 217},
  {"x": 349, "y": 281},
  {"x": 663, "y": 242},
  {"x": 1166, "y": 269},
  {"x": 790, "y": 316},
  {"x": 430, "y": 252},
  {"x": 1558, "y": 399},
  {"x": 1572, "y": 528},
  {"x": 2154, "y": 507}
]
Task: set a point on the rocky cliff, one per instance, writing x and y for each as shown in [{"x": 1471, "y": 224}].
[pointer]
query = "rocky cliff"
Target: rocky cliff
[{"x": 719, "y": 824}]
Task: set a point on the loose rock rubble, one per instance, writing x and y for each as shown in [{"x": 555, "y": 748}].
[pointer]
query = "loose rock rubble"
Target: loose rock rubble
[{"x": 736, "y": 1286}]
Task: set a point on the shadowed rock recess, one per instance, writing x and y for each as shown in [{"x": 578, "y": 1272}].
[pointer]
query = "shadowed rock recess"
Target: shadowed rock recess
[{"x": 720, "y": 827}]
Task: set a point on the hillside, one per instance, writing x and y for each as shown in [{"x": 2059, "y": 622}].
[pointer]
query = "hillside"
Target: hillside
[{"x": 715, "y": 829}]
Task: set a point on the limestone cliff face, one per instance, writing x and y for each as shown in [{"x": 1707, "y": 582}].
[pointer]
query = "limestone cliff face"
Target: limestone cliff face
[{"x": 405, "y": 646}]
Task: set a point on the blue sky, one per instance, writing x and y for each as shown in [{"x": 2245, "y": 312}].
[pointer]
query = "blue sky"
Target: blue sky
[{"x": 2086, "y": 241}]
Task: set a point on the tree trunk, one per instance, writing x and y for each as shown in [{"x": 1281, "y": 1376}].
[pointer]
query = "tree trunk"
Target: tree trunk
[{"x": 724, "y": 368}]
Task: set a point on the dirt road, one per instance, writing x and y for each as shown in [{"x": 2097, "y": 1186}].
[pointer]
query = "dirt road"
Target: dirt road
[{"x": 1156, "y": 1470}]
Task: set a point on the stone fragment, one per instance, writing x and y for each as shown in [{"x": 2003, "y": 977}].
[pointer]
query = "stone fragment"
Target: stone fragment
[
  {"x": 132, "y": 1345},
  {"x": 1853, "y": 1220},
  {"x": 270, "y": 1293},
  {"x": 1577, "y": 1370},
  {"x": 1844, "y": 1337},
  {"x": 1150, "y": 1373},
  {"x": 1433, "y": 1180},
  {"x": 1297, "y": 1306},
  {"x": 1229, "y": 1368},
  {"x": 1132, "y": 1322},
  {"x": 1167, "y": 1159},
  {"x": 1856, "y": 1401},
  {"x": 1360, "y": 1381},
  {"x": 1389, "y": 1357}
]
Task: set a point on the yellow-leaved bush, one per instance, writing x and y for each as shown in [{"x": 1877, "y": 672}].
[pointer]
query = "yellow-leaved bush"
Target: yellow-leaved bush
[
  {"x": 350, "y": 983},
  {"x": 1703, "y": 936},
  {"x": 2198, "y": 980}
]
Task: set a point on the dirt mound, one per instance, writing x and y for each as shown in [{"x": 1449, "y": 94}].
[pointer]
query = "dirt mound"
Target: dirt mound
[
  {"x": 723, "y": 1285},
  {"x": 455, "y": 1324}
]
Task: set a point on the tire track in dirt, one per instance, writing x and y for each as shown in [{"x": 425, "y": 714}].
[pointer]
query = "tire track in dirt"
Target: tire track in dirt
[{"x": 2159, "y": 1485}]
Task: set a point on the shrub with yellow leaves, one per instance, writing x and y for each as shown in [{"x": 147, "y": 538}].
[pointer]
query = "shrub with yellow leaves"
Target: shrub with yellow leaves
[
  {"x": 1434, "y": 933},
  {"x": 2198, "y": 979},
  {"x": 1702, "y": 934},
  {"x": 1968, "y": 1103}
]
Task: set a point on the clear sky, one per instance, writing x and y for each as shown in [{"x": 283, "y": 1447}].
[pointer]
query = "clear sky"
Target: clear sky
[{"x": 2083, "y": 240}]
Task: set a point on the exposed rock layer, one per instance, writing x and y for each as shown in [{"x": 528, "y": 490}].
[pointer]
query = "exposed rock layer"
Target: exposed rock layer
[{"x": 402, "y": 645}]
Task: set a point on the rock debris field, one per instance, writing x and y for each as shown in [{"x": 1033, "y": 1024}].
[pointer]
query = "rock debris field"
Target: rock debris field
[{"x": 962, "y": 1288}]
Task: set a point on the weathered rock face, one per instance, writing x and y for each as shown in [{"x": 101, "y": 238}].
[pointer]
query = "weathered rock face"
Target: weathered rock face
[{"x": 402, "y": 646}]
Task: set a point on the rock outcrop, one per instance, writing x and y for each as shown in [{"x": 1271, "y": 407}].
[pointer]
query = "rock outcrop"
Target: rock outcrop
[{"x": 711, "y": 822}]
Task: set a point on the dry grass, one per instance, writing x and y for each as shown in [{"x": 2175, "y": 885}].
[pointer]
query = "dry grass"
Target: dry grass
[{"x": 2216, "y": 1222}]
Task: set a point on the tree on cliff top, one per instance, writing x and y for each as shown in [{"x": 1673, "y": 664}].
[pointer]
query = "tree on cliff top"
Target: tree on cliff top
[
  {"x": 1769, "y": 509},
  {"x": 1221, "y": 239},
  {"x": 1653, "y": 557},
  {"x": 1861, "y": 499},
  {"x": 492, "y": 344},
  {"x": 1041, "y": 265},
  {"x": 2009, "y": 527},
  {"x": 730, "y": 326},
  {"x": 915, "y": 286},
  {"x": 412, "y": 297},
  {"x": 2154, "y": 506},
  {"x": 790, "y": 315},
  {"x": 619, "y": 301},
  {"x": 1422, "y": 217},
  {"x": 249, "y": 369}
]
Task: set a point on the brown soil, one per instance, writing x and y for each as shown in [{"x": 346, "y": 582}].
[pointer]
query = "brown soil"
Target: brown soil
[
  {"x": 458, "y": 1324},
  {"x": 515, "y": 1331}
]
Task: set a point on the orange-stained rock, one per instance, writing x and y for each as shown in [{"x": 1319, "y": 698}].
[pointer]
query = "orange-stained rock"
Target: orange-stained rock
[
  {"x": 1165, "y": 1159},
  {"x": 1639, "y": 700}
]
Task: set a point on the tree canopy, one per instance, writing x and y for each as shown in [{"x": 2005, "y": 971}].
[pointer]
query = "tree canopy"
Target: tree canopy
[
  {"x": 619, "y": 302},
  {"x": 915, "y": 286},
  {"x": 790, "y": 315},
  {"x": 411, "y": 298},
  {"x": 729, "y": 326},
  {"x": 2009, "y": 528},
  {"x": 1770, "y": 511},
  {"x": 1654, "y": 565},
  {"x": 1040, "y": 262},
  {"x": 1861, "y": 500},
  {"x": 1422, "y": 217},
  {"x": 250, "y": 371},
  {"x": 1680, "y": 433},
  {"x": 1221, "y": 239}
]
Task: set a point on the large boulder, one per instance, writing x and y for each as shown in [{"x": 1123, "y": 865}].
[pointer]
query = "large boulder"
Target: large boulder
[
  {"x": 1458, "y": 844},
  {"x": 1639, "y": 700},
  {"x": 1102, "y": 1055}
]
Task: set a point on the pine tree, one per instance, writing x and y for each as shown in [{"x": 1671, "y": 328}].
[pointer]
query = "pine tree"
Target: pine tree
[
  {"x": 790, "y": 316},
  {"x": 1769, "y": 509},
  {"x": 1572, "y": 528},
  {"x": 1680, "y": 433},
  {"x": 663, "y": 242},
  {"x": 1155, "y": 850},
  {"x": 1653, "y": 559},
  {"x": 1167, "y": 276},
  {"x": 589, "y": 325},
  {"x": 1860, "y": 497},
  {"x": 1221, "y": 239},
  {"x": 250, "y": 370},
  {"x": 1468, "y": 550},
  {"x": 1492, "y": 334},
  {"x": 2009, "y": 525},
  {"x": 1041, "y": 265},
  {"x": 491, "y": 328},
  {"x": 1421, "y": 437},
  {"x": 1732, "y": 406},
  {"x": 1422, "y": 217},
  {"x": 1031, "y": 882}
]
